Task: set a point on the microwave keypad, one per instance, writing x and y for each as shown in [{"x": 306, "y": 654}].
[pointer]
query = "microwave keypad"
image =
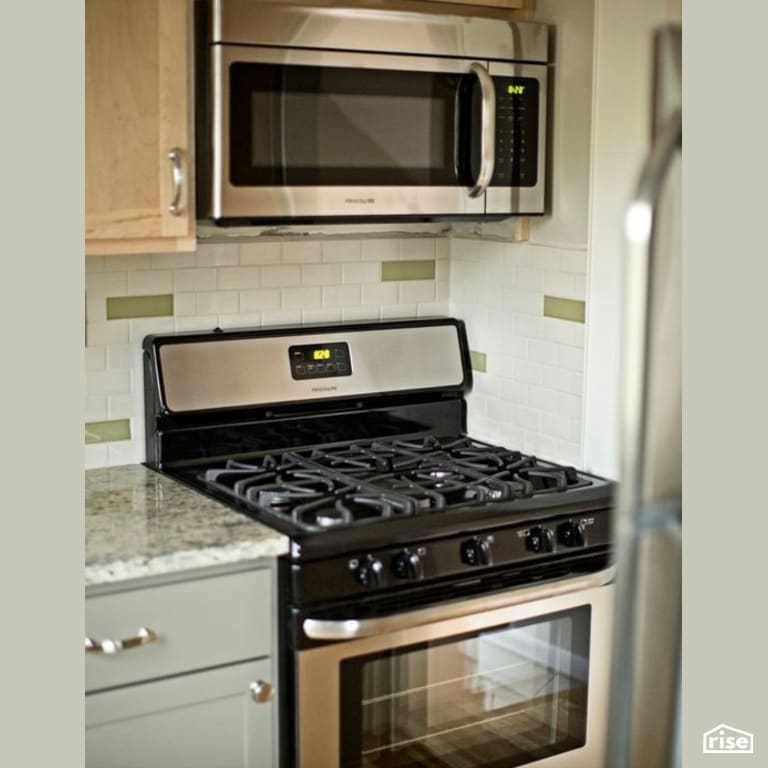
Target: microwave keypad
[
  {"x": 517, "y": 130},
  {"x": 320, "y": 361}
]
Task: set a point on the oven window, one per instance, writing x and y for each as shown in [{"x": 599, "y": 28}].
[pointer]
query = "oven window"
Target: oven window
[
  {"x": 296, "y": 125},
  {"x": 505, "y": 696}
]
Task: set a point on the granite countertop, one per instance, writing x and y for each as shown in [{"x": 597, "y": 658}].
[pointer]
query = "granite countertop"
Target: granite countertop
[{"x": 139, "y": 523}]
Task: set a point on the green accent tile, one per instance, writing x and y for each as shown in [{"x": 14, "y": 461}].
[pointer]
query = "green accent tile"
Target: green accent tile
[
  {"x": 478, "y": 360},
  {"x": 107, "y": 431},
  {"x": 122, "y": 307},
  {"x": 565, "y": 309},
  {"x": 419, "y": 269}
]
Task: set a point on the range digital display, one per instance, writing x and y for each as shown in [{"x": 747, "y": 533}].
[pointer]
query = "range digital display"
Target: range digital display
[{"x": 320, "y": 361}]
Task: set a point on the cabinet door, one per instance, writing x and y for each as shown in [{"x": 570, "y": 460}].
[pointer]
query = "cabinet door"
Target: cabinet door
[
  {"x": 137, "y": 109},
  {"x": 202, "y": 720}
]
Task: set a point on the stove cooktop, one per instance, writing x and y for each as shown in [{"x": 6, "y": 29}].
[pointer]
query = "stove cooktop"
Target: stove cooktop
[{"x": 357, "y": 484}]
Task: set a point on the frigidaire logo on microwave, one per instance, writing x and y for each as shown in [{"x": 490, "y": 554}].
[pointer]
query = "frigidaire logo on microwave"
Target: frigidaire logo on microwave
[{"x": 363, "y": 200}]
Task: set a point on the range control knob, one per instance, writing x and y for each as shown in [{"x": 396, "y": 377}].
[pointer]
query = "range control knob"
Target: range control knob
[
  {"x": 407, "y": 565},
  {"x": 539, "y": 540},
  {"x": 368, "y": 572},
  {"x": 571, "y": 534},
  {"x": 476, "y": 551}
]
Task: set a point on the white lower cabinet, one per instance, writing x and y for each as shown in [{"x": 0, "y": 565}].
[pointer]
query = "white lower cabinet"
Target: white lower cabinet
[
  {"x": 197, "y": 693},
  {"x": 201, "y": 720}
]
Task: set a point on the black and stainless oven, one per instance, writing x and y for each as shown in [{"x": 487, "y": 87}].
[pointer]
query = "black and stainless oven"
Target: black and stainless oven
[
  {"x": 322, "y": 112},
  {"x": 445, "y": 602}
]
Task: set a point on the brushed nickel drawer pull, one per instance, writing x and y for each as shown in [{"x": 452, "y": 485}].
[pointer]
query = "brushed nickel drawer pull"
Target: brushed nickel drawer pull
[
  {"x": 178, "y": 181},
  {"x": 261, "y": 692},
  {"x": 111, "y": 647}
]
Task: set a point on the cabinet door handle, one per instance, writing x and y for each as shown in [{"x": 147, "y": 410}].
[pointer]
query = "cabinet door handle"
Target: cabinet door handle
[
  {"x": 110, "y": 647},
  {"x": 261, "y": 692},
  {"x": 178, "y": 181}
]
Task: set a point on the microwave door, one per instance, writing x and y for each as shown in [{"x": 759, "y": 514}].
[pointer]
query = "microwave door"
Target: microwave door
[{"x": 337, "y": 134}]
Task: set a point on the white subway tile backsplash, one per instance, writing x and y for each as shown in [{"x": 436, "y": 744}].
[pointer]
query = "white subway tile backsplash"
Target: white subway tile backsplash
[
  {"x": 569, "y": 405},
  {"x": 571, "y": 358},
  {"x": 173, "y": 260},
  {"x": 542, "y": 398},
  {"x": 433, "y": 309},
  {"x": 107, "y": 382},
  {"x": 218, "y": 302},
  {"x": 184, "y": 304},
  {"x": 198, "y": 323},
  {"x": 417, "y": 291},
  {"x": 240, "y": 320},
  {"x": 574, "y": 261},
  {"x": 129, "y": 261},
  {"x": 260, "y": 300},
  {"x": 108, "y": 332},
  {"x": 321, "y": 274},
  {"x": 556, "y": 426},
  {"x": 417, "y": 248},
  {"x": 218, "y": 255},
  {"x": 195, "y": 280},
  {"x": 318, "y": 316},
  {"x": 379, "y": 293},
  {"x": 398, "y": 311},
  {"x": 122, "y": 356},
  {"x": 526, "y": 418},
  {"x": 138, "y": 328},
  {"x": 379, "y": 249},
  {"x": 96, "y": 408},
  {"x": 341, "y": 295},
  {"x": 281, "y": 318},
  {"x": 542, "y": 352},
  {"x": 285, "y": 276},
  {"x": 557, "y": 378},
  {"x": 96, "y": 455},
  {"x": 302, "y": 251},
  {"x": 362, "y": 312},
  {"x": 301, "y": 298},
  {"x": 106, "y": 284},
  {"x": 238, "y": 278},
  {"x": 342, "y": 251},
  {"x": 260, "y": 254},
  {"x": 95, "y": 360},
  {"x": 150, "y": 281},
  {"x": 361, "y": 272},
  {"x": 534, "y": 363}
]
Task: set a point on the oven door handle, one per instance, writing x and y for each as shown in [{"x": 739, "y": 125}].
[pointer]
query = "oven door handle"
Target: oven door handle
[{"x": 353, "y": 629}]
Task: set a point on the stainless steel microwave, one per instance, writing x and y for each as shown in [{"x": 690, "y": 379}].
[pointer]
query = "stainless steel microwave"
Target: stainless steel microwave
[{"x": 325, "y": 113}]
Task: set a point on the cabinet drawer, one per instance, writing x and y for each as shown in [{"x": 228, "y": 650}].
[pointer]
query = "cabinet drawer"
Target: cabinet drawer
[
  {"x": 201, "y": 720},
  {"x": 198, "y": 624}
]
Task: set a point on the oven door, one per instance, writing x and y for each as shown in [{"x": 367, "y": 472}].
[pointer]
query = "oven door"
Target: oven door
[
  {"x": 307, "y": 133},
  {"x": 508, "y": 680}
]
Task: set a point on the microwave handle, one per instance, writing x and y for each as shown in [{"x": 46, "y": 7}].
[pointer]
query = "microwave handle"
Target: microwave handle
[
  {"x": 352, "y": 629},
  {"x": 487, "y": 129}
]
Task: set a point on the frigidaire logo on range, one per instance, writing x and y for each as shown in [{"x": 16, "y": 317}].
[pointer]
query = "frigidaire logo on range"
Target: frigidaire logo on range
[
  {"x": 324, "y": 389},
  {"x": 725, "y": 740},
  {"x": 363, "y": 200}
]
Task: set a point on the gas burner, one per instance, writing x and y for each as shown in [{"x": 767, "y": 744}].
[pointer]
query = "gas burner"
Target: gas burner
[{"x": 355, "y": 506}]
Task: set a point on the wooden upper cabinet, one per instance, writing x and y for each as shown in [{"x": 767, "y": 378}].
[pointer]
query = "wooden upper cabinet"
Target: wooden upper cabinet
[{"x": 137, "y": 111}]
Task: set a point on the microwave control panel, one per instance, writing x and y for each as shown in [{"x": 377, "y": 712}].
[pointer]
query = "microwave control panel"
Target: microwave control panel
[
  {"x": 517, "y": 130},
  {"x": 320, "y": 361}
]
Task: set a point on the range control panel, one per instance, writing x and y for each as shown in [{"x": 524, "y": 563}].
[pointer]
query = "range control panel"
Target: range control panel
[
  {"x": 517, "y": 130},
  {"x": 320, "y": 361},
  {"x": 464, "y": 554}
]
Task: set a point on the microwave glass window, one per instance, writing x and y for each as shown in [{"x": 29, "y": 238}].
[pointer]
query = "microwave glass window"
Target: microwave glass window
[
  {"x": 332, "y": 126},
  {"x": 502, "y": 697}
]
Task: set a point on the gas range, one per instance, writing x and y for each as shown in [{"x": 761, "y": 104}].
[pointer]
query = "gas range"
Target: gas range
[
  {"x": 410, "y": 540},
  {"x": 351, "y": 438}
]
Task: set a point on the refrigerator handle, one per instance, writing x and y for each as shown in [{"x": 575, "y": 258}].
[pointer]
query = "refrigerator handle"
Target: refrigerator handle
[{"x": 636, "y": 516}]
